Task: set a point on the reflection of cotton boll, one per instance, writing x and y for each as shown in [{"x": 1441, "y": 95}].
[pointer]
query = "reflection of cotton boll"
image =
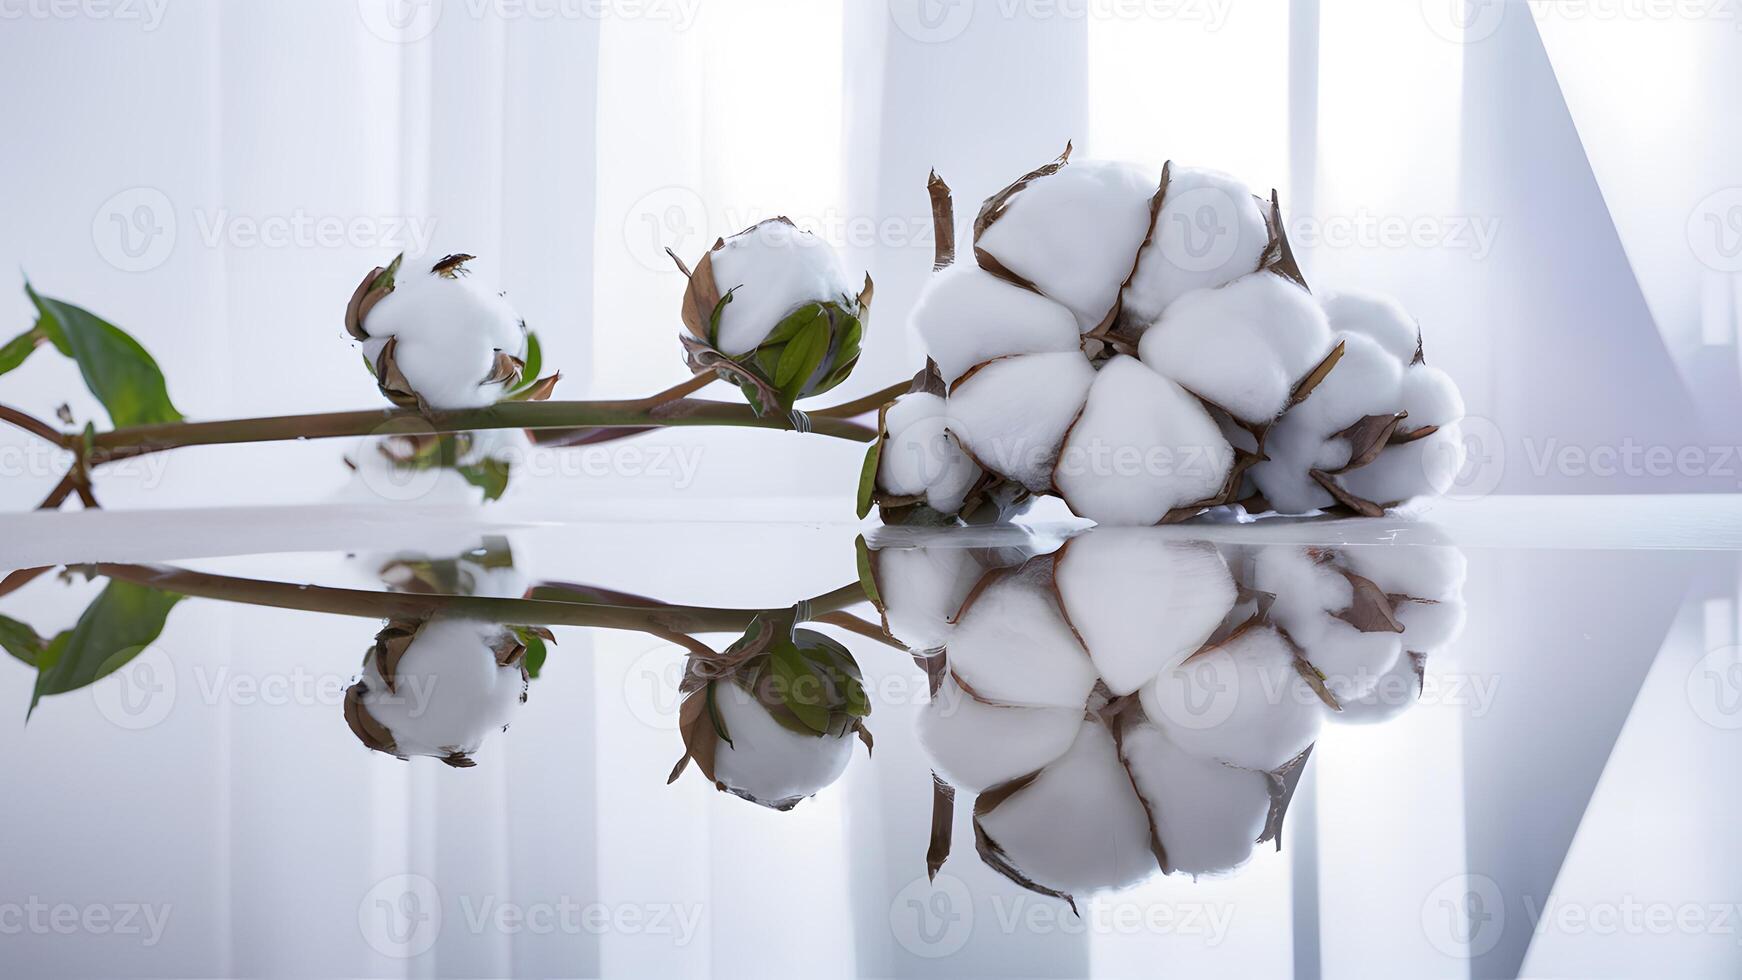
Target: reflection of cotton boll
[
  {"x": 1012, "y": 413},
  {"x": 447, "y": 330},
  {"x": 1432, "y": 573},
  {"x": 977, "y": 746},
  {"x": 1210, "y": 232},
  {"x": 1141, "y": 447},
  {"x": 1242, "y": 346},
  {"x": 449, "y": 691},
  {"x": 921, "y": 457},
  {"x": 1141, "y": 602},
  {"x": 771, "y": 270},
  {"x": 768, "y": 763},
  {"x": 1380, "y": 318},
  {"x": 1012, "y": 645},
  {"x": 1208, "y": 816},
  {"x": 1307, "y": 593},
  {"x": 967, "y": 316},
  {"x": 1393, "y": 693},
  {"x": 922, "y": 589},
  {"x": 1079, "y": 825},
  {"x": 1243, "y": 703},
  {"x": 1074, "y": 234}
]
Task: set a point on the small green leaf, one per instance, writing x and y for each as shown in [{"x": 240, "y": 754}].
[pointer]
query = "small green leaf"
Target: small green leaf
[
  {"x": 20, "y": 347},
  {"x": 714, "y": 317},
  {"x": 867, "y": 578},
  {"x": 801, "y": 690},
  {"x": 535, "y": 653},
  {"x": 21, "y": 641},
  {"x": 115, "y": 367},
  {"x": 868, "y": 476},
  {"x": 370, "y": 365},
  {"x": 490, "y": 475},
  {"x": 802, "y": 355},
  {"x": 117, "y": 626},
  {"x": 795, "y": 321},
  {"x": 846, "y": 354},
  {"x": 534, "y": 363}
]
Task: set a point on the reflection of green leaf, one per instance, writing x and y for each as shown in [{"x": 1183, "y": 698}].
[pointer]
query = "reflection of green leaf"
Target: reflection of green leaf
[
  {"x": 800, "y": 689},
  {"x": 535, "y": 650},
  {"x": 117, "y": 626},
  {"x": 867, "y": 578},
  {"x": 115, "y": 367},
  {"x": 19, "y": 348},
  {"x": 21, "y": 641},
  {"x": 534, "y": 363},
  {"x": 489, "y": 475},
  {"x": 868, "y": 476}
]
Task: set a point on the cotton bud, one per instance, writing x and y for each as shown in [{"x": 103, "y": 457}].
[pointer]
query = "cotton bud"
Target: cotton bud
[
  {"x": 1242, "y": 703},
  {"x": 772, "y": 721},
  {"x": 438, "y": 687},
  {"x": 1210, "y": 231},
  {"x": 1207, "y": 816},
  {"x": 438, "y": 340},
  {"x": 1077, "y": 826},
  {"x": 770, "y": 310},
  {"x": 1244, "y": 346},
  {"x": 1071, "y": 230}
]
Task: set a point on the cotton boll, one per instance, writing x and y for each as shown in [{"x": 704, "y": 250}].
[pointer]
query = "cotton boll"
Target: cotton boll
[
  {"x": 1426, "y": 467},
  {"x": 446, "y": 328},
  {"x": 1075, "y": 234},
  {"x": 771, "y": 270},
  {"x": 1141, "y": 602},
  {"x": 1079, "y": 825},
  {"x": 921, "y": 456},
  {"x": 1379, "y": 317},
  {"x": 1350, "y": 661},
  {"x": 1430, "y": 625},
  {"x": 1141, "y": 447},
  {"x": 448, "y": 690},
  {"x": 1011, "y": 414},
  {"x": 1422, "y": 571},
  {"x": 922, "y": 589},
  {"x": 1208, "y": 816},
  {"x": 1243, "y": 703},
  {"x": 1243, "y": 346},
  {"x": 1430, "y": 397},
  {"x": 1308, "y": 592},
  {"x": 1392, "y": 694},
  {"x": 767, "y": 762},
  {"x": 967, "y": 316},
  {"x": 977, "y": 746},
  {"x": 1304, "y": 587},
  {"x": 1012, "y": 645},
  {"x": 1210, "y": 232}
]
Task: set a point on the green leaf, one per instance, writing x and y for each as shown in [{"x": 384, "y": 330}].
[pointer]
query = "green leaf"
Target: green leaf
[
  {"x": 117, "y": 626},
  {"x": 20, "y": 347},
  {"x": 21, "y": 641},
  {"x": 795, "y": 321},
  {"x": 534, "y": 363},
  {"x": 535, "y": 653},
  {"x": 490, "y": 475},
  {"x": 868, "y": 476},
  {"x": 803, "y": 354},
  {"x": 801, "y": 690},
  {"x": 852, "y": 333},
  {"x": 116, "y": 368},
  {"x": 714, "y": 318},
  {"x": 867, "y": 579}
]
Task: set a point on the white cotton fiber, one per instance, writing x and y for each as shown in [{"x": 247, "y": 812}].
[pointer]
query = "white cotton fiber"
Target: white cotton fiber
[
  {"x": 1075, "y": 234},
  {"x": 967, "y": 316},
  {"x": 1308, "y": 593},
  {"x": 1243, "y": 346},
  {"x": 976, "y": 745},
  {"x": 1243, "y": 704},
  {"x": 772, "y": 270},
  {"x": 1208, "y": 816},
  {"x": 1430, "y": 397},
  {"x": 1079, "y": 826},
  {"x": 922, "y": 589},
  {"x": 1141, "y": 447},
  {"x": 767, "y": 761},
  {"x": 1141, "y": 601},
  {"x": 449, "y": 691},
  {"x": 1393, "y": 694},
  {"x": 1423, "y": 571},
  {"x": 449, "y": 329},
  {"x": 1379, "y": 317},
  {"x": 921, "y": 456},
  {"x": 1011, "y": 644},
  {"x": 1012, "y": 413},
  {"x": 1350, "y": 661},
  {"x": 1425, "y": 467},
  {"x": 1209, "y": 233}
]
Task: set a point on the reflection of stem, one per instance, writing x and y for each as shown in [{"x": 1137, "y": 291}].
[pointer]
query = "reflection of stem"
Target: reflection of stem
[
  {"x": 854, "y": 624},
  {"x": 660, "y": 620},
  {"x": 22, "y": 577},
  {"x": 32, "y": 425}
]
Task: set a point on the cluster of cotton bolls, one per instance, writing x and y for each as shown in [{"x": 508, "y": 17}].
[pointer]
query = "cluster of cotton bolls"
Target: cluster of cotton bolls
[
  {"x": 1148, "y": 349},
  {"x": 1135, "y": 701}
]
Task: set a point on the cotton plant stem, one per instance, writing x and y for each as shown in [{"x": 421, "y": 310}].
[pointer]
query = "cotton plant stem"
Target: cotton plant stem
[
  {"x": 660, "y": 620},
  {"x": 573, "y": 438},
  {"x": 32, "y": 425}
]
